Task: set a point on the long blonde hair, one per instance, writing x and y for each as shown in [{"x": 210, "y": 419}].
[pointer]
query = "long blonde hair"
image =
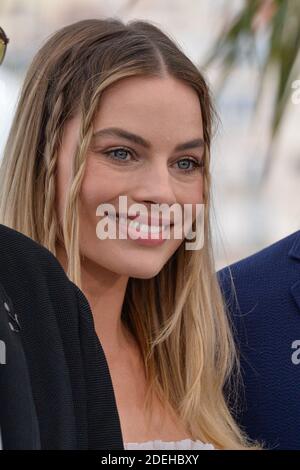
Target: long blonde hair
[{"x": 178, "y": 317}]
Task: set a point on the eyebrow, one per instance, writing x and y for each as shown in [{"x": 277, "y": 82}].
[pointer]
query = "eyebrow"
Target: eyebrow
[{"x": 116, "y": 131}]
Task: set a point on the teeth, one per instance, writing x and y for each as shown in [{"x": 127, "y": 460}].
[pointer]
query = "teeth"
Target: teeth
[
  {"x": 145, "y": 228},
  {"x": 141, "y": 227}
]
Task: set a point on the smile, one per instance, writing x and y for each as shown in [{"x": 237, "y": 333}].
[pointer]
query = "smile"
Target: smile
[{"x": 134, "y": 224}]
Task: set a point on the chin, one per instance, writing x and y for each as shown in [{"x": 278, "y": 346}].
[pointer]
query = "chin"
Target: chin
[{"x": 141, "y": 271}]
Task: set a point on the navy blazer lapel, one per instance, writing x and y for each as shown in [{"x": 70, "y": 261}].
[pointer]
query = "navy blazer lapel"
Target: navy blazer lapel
[{"x": 295, "y": 254}]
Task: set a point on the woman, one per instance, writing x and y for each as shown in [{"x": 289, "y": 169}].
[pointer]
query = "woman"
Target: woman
[{"x": 98, "y": 87}]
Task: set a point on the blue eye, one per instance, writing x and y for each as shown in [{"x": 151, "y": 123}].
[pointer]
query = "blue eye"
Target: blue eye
[
  {"x": 186, "y": 168},
  {"x": 119, "y": 149},
  {"x": 120, "y": 154}
]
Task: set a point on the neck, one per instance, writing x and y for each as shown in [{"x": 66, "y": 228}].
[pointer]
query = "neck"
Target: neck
[{"x": 105, "y": 292}]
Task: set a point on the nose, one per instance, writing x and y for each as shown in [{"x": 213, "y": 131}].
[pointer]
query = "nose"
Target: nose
[{"x": 155, "y": 186}]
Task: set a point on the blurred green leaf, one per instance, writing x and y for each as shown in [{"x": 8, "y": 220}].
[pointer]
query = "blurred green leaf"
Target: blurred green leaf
[{"x": 283, "y": 23}]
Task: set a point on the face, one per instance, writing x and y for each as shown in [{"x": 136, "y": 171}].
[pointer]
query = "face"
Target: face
[{"x": 148, "y": 170}]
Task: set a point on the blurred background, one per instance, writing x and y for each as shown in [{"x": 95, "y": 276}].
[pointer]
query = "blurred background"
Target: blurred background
[{"x": 248, "y": 51}]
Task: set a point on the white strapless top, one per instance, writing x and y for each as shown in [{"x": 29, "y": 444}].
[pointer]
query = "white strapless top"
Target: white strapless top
[{"x": 158, "y": 444}]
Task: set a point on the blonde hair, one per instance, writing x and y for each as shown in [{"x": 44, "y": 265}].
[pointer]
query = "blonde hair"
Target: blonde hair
[{"x": 178, "y": 317}]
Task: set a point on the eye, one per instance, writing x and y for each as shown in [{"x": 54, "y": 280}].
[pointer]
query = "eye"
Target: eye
[
  {"x": 124, "y": 155},
  {"x": 119, "y": 154},
  {"x": 190, "y": 165}
]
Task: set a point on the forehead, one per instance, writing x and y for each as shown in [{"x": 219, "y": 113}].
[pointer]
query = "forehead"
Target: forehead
[{"x": 152, "y": 106}]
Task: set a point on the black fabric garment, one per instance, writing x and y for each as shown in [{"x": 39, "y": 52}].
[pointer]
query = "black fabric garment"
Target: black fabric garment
[
  {"x": 71, "y": 385},
  {"x": 18, "y": 420}
]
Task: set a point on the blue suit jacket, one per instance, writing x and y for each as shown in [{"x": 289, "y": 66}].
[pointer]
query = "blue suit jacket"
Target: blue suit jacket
[{"x": 265, "y": 310}]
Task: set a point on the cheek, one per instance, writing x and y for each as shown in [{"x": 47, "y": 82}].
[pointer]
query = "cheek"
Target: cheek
[
  {"x": 195, "y": 194},
  {"x": 98, "y": 186},
  {"x": 191, "y": 195},
  {"x": 95, "y": 189},
  {"x": 191, "y": 200}
]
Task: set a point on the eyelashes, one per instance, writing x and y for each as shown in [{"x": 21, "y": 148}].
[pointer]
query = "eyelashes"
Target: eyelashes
[{"x": 198, "y": 165}]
